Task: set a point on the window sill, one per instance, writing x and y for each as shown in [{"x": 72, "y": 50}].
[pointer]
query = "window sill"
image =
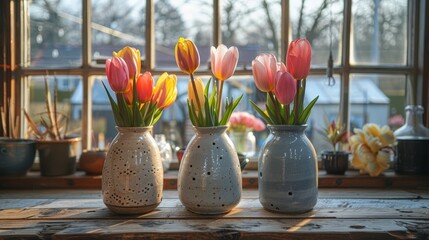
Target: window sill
[{"x": 352, "y": 179}]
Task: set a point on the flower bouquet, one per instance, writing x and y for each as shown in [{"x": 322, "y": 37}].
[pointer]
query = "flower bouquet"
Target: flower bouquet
[
  {"x": 210, "y": 165},
  {"x": 138, "y": 102}
]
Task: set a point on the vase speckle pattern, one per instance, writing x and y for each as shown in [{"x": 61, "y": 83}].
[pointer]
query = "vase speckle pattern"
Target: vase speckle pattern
[
  {"x": 132, "y": 178},
  {"x": 287, "y": 166},
  {"x": 209, "y": 179}
]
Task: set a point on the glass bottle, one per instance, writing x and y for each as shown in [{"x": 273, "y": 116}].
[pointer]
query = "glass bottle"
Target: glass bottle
[
  {"x": 164, "y": 150},
  {"x": 412, "y": 150}
]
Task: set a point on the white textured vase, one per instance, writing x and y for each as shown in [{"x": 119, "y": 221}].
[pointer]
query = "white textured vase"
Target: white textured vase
[
  {"x": 132, "y": 178},
  {"x": 209, "y": 179},
  {"x": 287, "y": 166}
]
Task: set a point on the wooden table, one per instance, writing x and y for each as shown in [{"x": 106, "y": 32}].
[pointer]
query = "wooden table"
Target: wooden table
[{"x": 339, "y": 214}]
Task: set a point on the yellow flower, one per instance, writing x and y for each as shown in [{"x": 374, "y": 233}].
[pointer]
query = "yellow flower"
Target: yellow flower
[
  {"x": 165, "y": 91},
  {"x": 200, "y": 91},
  {"x": 132, "y": 59},
  {"x": 187, "y": 56},
  {"x": 371, "y": 149}
]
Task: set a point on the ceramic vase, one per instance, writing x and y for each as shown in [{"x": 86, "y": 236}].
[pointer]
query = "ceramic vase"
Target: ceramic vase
[
  {"x": 287, "y": 166},
  {"x": 132, "y": 177},
  {"x": 209, "y": 180},
  {"x": 335, "y": 162}
]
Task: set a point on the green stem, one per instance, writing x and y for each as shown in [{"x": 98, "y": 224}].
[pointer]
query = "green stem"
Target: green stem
[
  {"x": 287, "y": 113},
  {"x": 296, "y": 103},
  {"x": 276, "y": 107},
  {"x": 219, "y": 99}
]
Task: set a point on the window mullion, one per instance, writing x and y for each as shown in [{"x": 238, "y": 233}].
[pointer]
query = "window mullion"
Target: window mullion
[
  {"x": 149, "y": 60},
  {"x": 87, "y": 84},
  {"x": 345, "y": 83}
]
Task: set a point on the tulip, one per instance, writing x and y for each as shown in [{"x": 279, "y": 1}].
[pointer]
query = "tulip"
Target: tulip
[
  {"x": 223, "y": 61},
  {"x": 117, "y": 74},
  {"x": 187, "y": 56},
  {"x": 165, "y": 91},
  {"x": 285, "y": 87},
  {"x": 144, "y": 87},
  {"x": 264, "y": 68},
  {"x": 200, "y": 92},
  {"x": 298, "y": 58},
  {"x": 132, "y": 58}
]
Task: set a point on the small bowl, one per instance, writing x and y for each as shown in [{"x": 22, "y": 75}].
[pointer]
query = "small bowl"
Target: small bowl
[{"x": 92, "y": 161}]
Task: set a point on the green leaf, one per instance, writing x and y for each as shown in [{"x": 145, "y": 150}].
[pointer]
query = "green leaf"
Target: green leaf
[
  {"x": 229, "y": 108},
  {"x": 306, "y": 113},
  {"x": 118, "y": 119},
  {"x": 261, "y": 113},
  {"x": 192, "y": 115}
]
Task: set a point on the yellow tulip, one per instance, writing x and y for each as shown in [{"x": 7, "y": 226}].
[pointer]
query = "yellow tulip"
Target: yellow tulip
[
  {"x": 165, "y": 91},
  {"x": 200, "y": 91},
  {"x": 132, "y": 58},
  {"x": 187, "y": 56}
]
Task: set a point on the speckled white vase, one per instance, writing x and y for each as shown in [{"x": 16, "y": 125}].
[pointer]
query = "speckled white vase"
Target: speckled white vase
[
  {"x": 132, "y": 178},
  {"x": 209, "y": 179},
  {"x": 287, "y": 166}
]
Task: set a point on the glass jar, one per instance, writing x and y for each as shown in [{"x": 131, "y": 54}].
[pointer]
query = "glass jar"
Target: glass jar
[
  {"x": 244, "y": 142},
  {"x": 164, "y": 150},
  {"x": 412, "y": 150}
]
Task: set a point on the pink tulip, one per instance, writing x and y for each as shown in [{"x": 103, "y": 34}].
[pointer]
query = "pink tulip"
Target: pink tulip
[
  {"x": 285, "y": 88},
  {"x": 117, "y": 74},
  {"x": 298, "y": 58},
  {"x": 131, "y": 56},
  {"x": 264, "y": 69},
  {"x": 223, "y": 61},
  {"x": 144, "y": 87}
]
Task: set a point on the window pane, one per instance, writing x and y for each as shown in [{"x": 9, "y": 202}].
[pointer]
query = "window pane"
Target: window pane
[
  {"x": 326, "y": 108},
  {"x": 116, "y": 24},
  {"x": 377, "y": 99},
  {"x": 379, "y": 32},
  {"x": 68, "y": 104},
  {"x": 55, "y": 34},
  {"x": 321, "y": 23},
  {"x": 252, "y": 26},
  {"x": 185, "y": 18}
]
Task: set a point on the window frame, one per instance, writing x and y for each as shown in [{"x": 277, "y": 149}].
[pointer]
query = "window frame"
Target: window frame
[{"x": 416, "y": 56}]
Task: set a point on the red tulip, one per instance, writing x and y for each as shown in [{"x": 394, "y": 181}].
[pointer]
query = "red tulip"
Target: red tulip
[
  {"x": 144, "y": 87},
  {"x": 264, "y": 69},
  {"x": 223, "y": 61},
  {"x": 285, "y": 88},
  {"x": 298, "y": 58},
  {"x": 117, "y": 74}
]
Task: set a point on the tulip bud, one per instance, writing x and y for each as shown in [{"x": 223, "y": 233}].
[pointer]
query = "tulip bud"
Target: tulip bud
[
  {"x": 264, "y": 69},
  {"x": 132, "y": 57},
  {"x": 144, "y": 87},
  {"x": 285, "y": 87},
  {"x": 298, "y": 58},
  {"x": 117, "y": 74},
  {"x": 187, "y": 56},
  {"x": 223, "y": 61},
  {"x": 165, "y": 91}
]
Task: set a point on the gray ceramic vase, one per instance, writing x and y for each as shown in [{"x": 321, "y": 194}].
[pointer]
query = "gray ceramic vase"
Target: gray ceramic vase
[
  {"x": 209, "y": 179},
  {"x": 132, "y": 177},
  {"x": 287, "y": 167}
]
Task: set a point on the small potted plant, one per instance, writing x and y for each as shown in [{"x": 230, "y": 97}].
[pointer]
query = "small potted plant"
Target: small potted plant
[
  {"x": 336, "y": 161},
  {"x": 16, "y": 154},
  {"x": 57, "y": 151}
]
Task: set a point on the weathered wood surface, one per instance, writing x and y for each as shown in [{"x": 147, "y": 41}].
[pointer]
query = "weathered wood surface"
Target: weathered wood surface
[
  {"x": 339, "y": 214},
  {"x": 352, "y": 179}
]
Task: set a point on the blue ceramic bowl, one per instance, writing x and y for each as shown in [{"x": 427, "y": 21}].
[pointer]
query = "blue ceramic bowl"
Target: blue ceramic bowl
[{"x": 16, "y": 156}]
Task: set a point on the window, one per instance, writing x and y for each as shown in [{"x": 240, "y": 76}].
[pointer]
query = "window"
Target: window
[{"x": 372, "y": 44}]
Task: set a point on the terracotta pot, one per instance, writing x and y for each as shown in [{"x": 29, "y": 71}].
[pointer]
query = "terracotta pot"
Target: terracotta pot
[{"x": 92, "y": 161}]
